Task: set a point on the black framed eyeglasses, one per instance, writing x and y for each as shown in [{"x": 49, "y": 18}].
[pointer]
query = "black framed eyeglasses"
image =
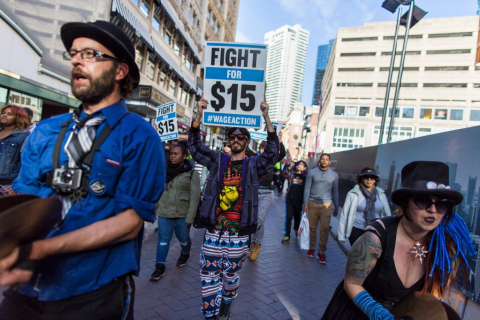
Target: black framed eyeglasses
[
  {"x": 442, "y": 205},
  {"x": 87, "y": 55}
]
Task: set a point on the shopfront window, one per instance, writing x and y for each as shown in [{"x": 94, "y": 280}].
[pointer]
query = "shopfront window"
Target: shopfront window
[
  {"x": 24, "y": 100},
  {"x": 3, "y": 96}
]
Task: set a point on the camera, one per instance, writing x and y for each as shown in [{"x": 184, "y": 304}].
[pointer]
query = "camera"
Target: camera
[{"x": 67, "y": 179}]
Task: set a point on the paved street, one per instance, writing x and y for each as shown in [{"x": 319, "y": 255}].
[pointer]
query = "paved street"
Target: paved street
[{"x": 284, "y": 283}]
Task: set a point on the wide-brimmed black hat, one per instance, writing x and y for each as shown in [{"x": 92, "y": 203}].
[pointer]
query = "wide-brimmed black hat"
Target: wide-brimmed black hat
[
  {"x": 368, "y": 172},
  {"x": 106, "y": 33},
  {"x": 428, "y": 178}
]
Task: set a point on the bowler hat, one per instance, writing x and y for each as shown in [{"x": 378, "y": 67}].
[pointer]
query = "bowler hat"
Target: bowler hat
[
  {"x": 106, "y": 33},
  {"x": 429, "y": 178}
]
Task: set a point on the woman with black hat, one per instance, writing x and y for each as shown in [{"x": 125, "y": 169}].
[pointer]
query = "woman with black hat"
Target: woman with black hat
[
  {"x": 364, "y": 203},
  {"x": 418, "y": 250}
]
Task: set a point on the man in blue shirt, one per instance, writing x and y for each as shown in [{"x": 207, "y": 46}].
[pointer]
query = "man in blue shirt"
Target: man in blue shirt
[{"x": 87, "y": 261}]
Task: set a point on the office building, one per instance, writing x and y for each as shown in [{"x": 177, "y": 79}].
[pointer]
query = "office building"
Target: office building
[
  {"x": 323, "y": 54},
  {"x": 287, "y": 54},
  {"x": 440, "y": 85}
]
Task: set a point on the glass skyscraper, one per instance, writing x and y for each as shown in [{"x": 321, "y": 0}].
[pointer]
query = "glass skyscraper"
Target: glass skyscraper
[{"x": 323, "y": 55}]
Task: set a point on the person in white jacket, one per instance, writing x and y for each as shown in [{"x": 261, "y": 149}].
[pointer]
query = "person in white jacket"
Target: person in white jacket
[{"x": 363, "y": 204}]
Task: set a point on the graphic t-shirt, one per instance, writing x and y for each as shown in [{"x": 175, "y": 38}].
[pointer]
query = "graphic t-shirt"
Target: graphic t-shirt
[
  {"x": 229, "y": 206},
  {"x": 297, "y": 186}
]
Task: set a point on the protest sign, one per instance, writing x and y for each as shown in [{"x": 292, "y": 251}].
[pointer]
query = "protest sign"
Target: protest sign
[
  {"x": 234, "y": 84},
  {"x": 167, "y": 121},
  {"x": 261, "y": 134}
]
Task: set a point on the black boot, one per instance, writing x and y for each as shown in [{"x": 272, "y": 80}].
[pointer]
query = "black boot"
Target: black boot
[{"x": 224, "y": 313}]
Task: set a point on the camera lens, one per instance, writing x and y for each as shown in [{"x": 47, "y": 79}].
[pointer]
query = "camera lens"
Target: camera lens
[{"x": 67, "y": 176}]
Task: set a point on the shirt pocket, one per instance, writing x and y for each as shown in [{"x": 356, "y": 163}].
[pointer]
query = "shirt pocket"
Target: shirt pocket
[{"x": 106, "y": 177}]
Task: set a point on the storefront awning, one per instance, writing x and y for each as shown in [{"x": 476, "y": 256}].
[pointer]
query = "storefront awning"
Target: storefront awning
[{"x": 120, "y": 8}]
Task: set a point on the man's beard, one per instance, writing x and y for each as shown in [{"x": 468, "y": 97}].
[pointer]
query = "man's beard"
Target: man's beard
[
  {"x": 236, "y": 151},
  {"x": 98, "y": 89}
]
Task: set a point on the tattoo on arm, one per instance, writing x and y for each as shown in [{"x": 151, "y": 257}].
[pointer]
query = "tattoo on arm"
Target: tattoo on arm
[{"x": 362, "y": 258}]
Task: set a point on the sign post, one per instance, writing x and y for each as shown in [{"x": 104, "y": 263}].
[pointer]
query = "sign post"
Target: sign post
[
  {"x": 234, "y": 84},
  {"x": 166, "y": 121}
]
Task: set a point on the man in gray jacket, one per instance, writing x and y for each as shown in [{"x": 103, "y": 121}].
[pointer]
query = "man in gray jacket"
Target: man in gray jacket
[{"x": 321, "y": 189}]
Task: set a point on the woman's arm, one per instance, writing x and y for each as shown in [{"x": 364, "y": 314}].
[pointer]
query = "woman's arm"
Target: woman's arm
[
  {"x": 344, "y": 218},
  {"x": 361, "y": 260}
]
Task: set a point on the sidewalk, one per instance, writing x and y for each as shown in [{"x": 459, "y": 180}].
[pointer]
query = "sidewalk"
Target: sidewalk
[{"x": 284, "y": 283}]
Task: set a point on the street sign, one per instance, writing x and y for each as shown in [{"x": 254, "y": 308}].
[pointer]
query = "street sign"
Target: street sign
[
  {"x": 234, "y": 84},
  {"x": 166, "y": 121}
]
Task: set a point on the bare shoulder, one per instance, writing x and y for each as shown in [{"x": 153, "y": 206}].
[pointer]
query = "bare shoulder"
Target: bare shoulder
[{"x": 363, "y": 257}]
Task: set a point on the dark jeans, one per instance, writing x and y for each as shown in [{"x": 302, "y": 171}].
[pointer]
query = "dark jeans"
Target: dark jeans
[
  {"x": 294, "y": 210},
  {"x": 356, "y": 233},
  {"x": 281, "y": 182},
  {"x": 112, "y": 301}
]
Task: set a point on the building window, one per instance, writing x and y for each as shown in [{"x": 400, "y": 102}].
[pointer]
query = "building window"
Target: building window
[
  {"x": 162, "y": 78},
  {"x": 451, "y": 35},
  {"x": 150, "y": 70},
  {"x": 378, "y": 112},
  {"x": 145, "y": 8},
  {"x": 156, "y": 23},
  {"x": 389, "y": 53},
  {"x": 398, "y": 133},
  {"x": 172, "y": 84},
  {"x": 397, "y": 112},
  {"x": 364, "y": 112},
  {"x": 213, "y": 22},
  {"x": 455, "y": 68},
  {"x": 339, "y": 111},
  {"x": 351, "y": 111},
  {"x": 177, "y": 45},
  {"x": 424, "y": 132},
  {"x": 355, "y": 69},
  {"x": 184, "y": 96},
  {"x": 357, "y": 54},
  {"x": 180, "y": 90},
  {"x": 425, "y": 113},
  {"x": 360, "y": 39},
  {"x": 139, "y": 54},
  {"x": 474, "y": 115},
  {"x": 3, "y": 96},
  {"x": 209, "y": 14},
  {"x": 135, "y": 2},
  {"x": 455, "y": 51},
  {"x": 348, "y": 138},
  {"x": 403, "y": 85},
  {"x": 441, "y": 114},
  {"x": 407, "y": 113},
  {"x": 354, "y": 84},
  {"x": 404, "y": 69},
  {"x": 456, "y": 114},
  {"x": 217, "y": 29},
  {"x": 444, "y": 85},
  {"x": 24, "y": 100},
  {"x": 412, "y": 36}
]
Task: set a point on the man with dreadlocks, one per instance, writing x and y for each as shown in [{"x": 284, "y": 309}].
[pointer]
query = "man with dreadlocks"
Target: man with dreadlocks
[{"x": 229, "y": 209}]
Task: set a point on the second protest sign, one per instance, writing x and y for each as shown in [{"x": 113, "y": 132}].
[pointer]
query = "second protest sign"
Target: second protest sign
[{"x": 234, "y": 84}]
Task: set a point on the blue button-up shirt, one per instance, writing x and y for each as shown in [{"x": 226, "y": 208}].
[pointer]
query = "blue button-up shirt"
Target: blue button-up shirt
[{"x": 131, "y": 165}]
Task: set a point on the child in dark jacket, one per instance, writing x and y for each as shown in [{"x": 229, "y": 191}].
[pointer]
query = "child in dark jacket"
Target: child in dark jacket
[{"x": 294, "y": 198}]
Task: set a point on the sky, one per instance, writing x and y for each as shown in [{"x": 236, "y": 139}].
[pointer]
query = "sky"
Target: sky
[{"x": 322, "y": 18}]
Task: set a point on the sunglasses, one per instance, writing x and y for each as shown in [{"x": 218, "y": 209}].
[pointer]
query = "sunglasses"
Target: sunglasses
[
  {"x": 442, "y": 205},
  {"x": 240, "y": 137},
  {"x": 369, "y": 178}
]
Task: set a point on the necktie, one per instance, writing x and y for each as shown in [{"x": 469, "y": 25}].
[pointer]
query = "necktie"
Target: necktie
[
  {"x": 77, "y": 147},
  {"x": 81, "y": 142}
]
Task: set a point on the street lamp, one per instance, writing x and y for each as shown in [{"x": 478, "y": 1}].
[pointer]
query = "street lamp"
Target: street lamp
[{"x": 409, "y": 19}]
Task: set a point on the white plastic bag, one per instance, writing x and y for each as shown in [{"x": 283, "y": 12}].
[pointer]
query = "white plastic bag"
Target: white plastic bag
[{"x": 304, "y": 233}]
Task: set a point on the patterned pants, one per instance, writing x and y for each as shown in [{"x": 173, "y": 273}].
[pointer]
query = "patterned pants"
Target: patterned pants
[
  {"x": 265, "y": 197},
  {"x": 221, "y": 257}
]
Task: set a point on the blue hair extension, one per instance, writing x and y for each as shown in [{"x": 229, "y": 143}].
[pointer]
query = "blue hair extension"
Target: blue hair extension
[{"x": 458, "y": 231}]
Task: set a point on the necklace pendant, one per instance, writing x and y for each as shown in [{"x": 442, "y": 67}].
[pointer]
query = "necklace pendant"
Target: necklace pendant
[{"x": 418, "y": 251}]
